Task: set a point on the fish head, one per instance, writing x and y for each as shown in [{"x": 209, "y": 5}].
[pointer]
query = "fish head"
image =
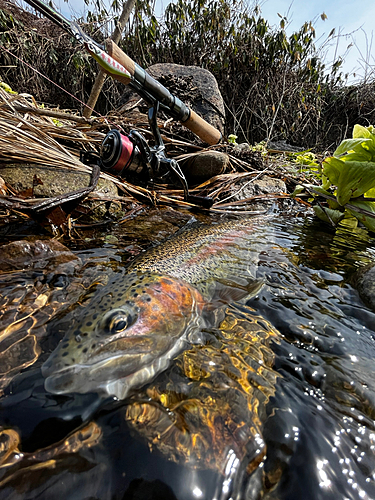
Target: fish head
[{"x": 125, "y": 336}]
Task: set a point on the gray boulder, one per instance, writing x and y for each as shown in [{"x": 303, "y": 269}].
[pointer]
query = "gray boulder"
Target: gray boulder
[{"x": 195, "y": 86}]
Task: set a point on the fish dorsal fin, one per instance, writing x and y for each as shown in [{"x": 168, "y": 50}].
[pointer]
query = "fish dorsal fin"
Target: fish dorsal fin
[{"x": 226, "y": 291}]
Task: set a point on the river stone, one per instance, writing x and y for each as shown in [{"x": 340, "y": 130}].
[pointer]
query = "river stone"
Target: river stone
[
  {"x": 364, "y": 282},
  {"x": 38, "y": 254},
  {"x": 203, "y": 166},
  {"x": 195, "y": 86},
  {"x": 54, "y": 181},
  {"x": 265, "y": 185}
]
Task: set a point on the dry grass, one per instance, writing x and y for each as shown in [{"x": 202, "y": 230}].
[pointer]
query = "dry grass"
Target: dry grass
[{"x": 30, "y": 133}]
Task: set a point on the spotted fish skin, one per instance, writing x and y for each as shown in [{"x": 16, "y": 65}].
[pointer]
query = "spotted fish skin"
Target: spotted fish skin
[
  {"x": 204, "y": 255},
  {"x": 131, "y": 330},
  {"x": 145, "y": 317}
]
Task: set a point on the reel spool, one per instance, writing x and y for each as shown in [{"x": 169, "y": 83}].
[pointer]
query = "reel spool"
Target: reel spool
[{"x": 120, "y": 155}]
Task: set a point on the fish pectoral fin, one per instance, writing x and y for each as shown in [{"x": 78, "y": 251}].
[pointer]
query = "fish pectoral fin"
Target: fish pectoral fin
[{"x": 227, "y": 291}]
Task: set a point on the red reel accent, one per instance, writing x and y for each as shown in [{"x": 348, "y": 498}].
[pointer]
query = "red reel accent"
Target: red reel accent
[
  {"x": 116, "y": 152},
  {"x": 126, "y": 154}
]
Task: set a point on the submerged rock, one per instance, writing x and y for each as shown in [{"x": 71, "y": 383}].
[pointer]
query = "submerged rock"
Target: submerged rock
[
  {"x": 35, "y": 280},
  {"x": 364, "y": 281},
  {"x": 38, "y": 254}
]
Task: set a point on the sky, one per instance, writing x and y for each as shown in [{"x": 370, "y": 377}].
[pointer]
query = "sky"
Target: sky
[{"x": 352, "y": 23}]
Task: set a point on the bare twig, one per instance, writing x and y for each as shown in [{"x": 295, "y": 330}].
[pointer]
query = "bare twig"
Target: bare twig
[{"x": 53, "y": 114}]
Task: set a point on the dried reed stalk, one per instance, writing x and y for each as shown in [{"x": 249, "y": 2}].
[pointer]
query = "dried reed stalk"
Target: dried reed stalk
[{"x": 52, "y": 137}]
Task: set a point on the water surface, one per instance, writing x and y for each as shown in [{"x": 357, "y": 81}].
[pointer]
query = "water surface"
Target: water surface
[{"x": 316, "y": 417}]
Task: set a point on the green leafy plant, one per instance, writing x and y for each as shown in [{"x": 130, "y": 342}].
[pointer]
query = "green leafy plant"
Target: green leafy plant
[
  {"x": 306, "y": 158},
  {"x": 260, "y": 147},
  {"x": 348, "y": 180},
  {"x": 56, "y": 122}
]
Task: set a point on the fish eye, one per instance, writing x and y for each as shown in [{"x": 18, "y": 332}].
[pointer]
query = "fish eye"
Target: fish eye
[
  {"x": 117, "y": 321},
  {"x": 119, "y": 324}
]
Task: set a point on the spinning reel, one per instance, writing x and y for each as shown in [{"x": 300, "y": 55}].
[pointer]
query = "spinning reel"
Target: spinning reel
[{"x": 131, "y": 157}]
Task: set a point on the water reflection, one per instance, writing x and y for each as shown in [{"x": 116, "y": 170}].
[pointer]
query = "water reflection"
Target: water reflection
[{"x": 326, "y": 359}]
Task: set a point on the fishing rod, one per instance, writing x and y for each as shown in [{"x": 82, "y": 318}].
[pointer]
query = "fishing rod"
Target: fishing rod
[
  {"x": 122, "y": 68},
  {"x": 130, "y": 155}
]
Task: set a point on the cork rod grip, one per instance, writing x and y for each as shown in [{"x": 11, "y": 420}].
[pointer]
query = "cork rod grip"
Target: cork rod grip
[{"x": 202, "y": 129}]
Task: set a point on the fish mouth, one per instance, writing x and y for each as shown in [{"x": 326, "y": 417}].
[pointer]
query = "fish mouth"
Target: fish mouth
[
  {"x": 118, "y": 374},
  {"x": 83, "y": 378}
]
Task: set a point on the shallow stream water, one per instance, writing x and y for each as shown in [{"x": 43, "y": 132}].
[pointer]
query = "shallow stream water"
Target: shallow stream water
[{"x": 318, "y": 423}]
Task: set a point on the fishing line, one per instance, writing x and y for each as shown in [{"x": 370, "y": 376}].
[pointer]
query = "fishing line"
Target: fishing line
[{"x": 61, "y": 88}]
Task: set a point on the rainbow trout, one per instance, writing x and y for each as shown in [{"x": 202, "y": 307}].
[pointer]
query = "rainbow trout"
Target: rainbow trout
[{"x": 137, "y": 323}]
